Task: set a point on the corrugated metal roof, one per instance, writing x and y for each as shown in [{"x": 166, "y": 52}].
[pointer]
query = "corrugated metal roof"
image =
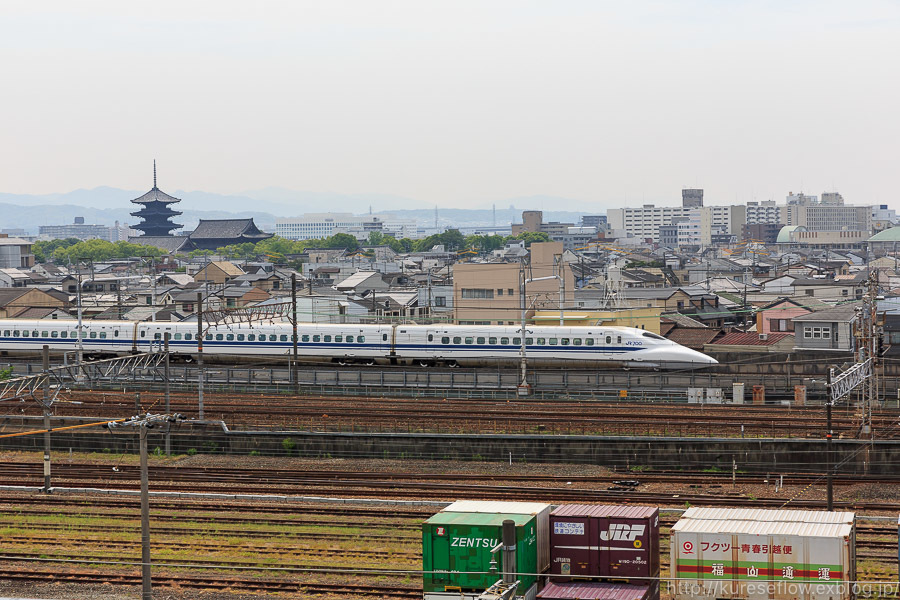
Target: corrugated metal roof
[
  {"x": 490, "y": 506},
  {"x": 730, "y": 526},
  {"x": 604, "y": 510},
  {"x": 761, "y": 514},
  {"x": 593, "y": 591},
  {"x": 750, "y": 339}
]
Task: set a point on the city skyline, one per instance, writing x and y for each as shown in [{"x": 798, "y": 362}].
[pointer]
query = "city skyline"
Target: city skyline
[{"x": 465, "y": 105}]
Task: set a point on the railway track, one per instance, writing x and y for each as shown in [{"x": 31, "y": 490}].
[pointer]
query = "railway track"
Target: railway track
[
  {"x": 43, "y": 576},
  {"x": 247, "y": 411},
  {"x": 421, "y": 487},
  {"x": 168, "y": 476}
]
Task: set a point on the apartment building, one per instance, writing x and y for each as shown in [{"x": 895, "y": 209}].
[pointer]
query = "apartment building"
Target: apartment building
[
  {"x": 763, "y": 212},
  {"x": 695, "y": 226},
  {"x": 644, "y": 222},
  {"x": 490, "y": 293},
  {"x": 312, "y": 226}
]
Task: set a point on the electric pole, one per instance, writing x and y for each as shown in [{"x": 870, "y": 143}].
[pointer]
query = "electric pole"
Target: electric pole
[
  {"x": 200, "y": 355},
  {"x": 294, "y": 374},
  {"x": 145, "y": 422}
]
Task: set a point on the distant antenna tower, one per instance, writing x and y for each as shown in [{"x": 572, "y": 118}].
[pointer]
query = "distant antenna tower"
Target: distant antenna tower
[
  {"x": 435, "y": 217},
  {"x": 494, "y": 210},
  {"x": 370, "y": 209}
]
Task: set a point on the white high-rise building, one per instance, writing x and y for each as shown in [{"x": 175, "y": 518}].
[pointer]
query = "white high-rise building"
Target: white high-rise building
[
  {"x": 703, "y": 222},
  {"x": 763, "y": 212},
  {"x": 321, "y": 225}
]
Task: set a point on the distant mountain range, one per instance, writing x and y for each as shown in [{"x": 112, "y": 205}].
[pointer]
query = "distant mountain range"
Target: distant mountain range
[{"x": 106, "y": 205}]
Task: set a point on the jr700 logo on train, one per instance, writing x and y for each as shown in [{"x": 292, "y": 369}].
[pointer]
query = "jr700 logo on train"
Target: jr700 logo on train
[{"x": 621, "y": 532}]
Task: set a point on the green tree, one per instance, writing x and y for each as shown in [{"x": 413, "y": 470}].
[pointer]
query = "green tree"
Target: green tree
[
  {"x": 99, "y": 250},
  {"x": 341, "y": 240},
  {"x": 43, "y": 251},
  {"x": 529, "y": 237},
  {"x": 246, "y": 250},
  {"x": 376, "y": 238}
]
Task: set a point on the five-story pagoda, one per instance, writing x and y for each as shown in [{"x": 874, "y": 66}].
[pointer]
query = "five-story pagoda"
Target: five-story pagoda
[{"x": 156, "y": 212}]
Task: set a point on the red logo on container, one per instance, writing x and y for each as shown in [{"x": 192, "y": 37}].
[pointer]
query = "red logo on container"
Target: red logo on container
[
  {"x": 688, "y": 547},
  {"x": 440, "y": 531}
]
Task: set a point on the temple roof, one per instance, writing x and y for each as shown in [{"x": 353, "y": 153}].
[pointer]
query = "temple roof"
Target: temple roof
[
  {"x": 156, "y": 195},
  {"x": 227, "y": 228}
]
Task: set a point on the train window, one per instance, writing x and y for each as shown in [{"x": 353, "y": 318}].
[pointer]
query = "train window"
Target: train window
[
  {"x": 553, "y": 341},
  {"x": 262, "y": 337},
  {"x": 349, "y": 339},
  {"x": 44, "y": 334},
  {"x": 208, "y": 336},
  {"x": 589, "y": 342},
  {"x": 34, "y": 334},
  {"x": 283, "y": 338},
  {"x": 116, "y": 333},
  {"x": 529, "y": 341},
  {"x": 304, "y": 338},
  {"x": 517, "y": 341},
  {"x": 317, "y": 338},
  {"x": 338, "y": 338},
  {"x": 16, "y": 333},
  {"x": 481, "y": 340},
  {"x": 102, "y": 335},
  {"x": 492, "y": 340},
  {"x": 457, "y": 340},
  {"x": 187, "y": 336},
  {"x": 652, "y": 336},
  {"x": 63, "y": 334},
  {"x": 6, "y": 332},
  {"x": 619, "y": 341},
  {"x": 251, "y": 337},
  {"x": 445, "y": 340},
  {"x": 229, "y": 337},
  {"x": 53, "y": 334},
  {"x": 93, "y": 335},
  {"x": 383, "y": 337},
  {"x": 157, "y": 336},
  {"x": 219, "y": 337},
  {"x": 541, "y": 342},
  {"x": 469, "y": 340},
  {"x": 177, "y": 336},
  {"x": 504, "y": 341},
  {"x": 609, "y": 339},
  {"x": 24, "y": 334},
  {"x": 240, "y": 337},
  {"x": 327, "y": 338},
  {"x": 576, "y": 341},
  {"x": 564, "y": 341},
  {"x": 361, "y": 339},
  {"x": 430, "y": 337},
  {"x": 143, "y": 334}
]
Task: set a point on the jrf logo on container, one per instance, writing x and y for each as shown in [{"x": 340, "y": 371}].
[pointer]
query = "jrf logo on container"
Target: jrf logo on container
[{"x": 622, "y": 532}]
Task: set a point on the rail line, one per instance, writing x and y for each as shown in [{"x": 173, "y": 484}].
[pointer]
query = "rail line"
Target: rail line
[
  {"x": 572, "y": 416},
  {"x": 206, "y": 583},
  {"x": 420, "y": 487},
  {"x": 168, "y": 476}
]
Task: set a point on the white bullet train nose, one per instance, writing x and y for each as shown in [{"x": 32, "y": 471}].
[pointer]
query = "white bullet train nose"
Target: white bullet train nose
[{"x": 679, "y": 357}]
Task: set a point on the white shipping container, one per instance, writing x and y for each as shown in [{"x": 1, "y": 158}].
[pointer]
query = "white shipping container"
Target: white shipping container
[{"x": 757, "y": 560}]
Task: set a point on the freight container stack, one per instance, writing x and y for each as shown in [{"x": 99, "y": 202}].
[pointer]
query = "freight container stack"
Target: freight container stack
[
  {"x": 457, "y": 543},
  {"x": 737, "y": 553},
  {"x": 599, "y": 552}
]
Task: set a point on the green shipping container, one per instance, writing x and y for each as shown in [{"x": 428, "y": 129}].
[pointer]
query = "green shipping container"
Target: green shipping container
[{"x": 456, "y": 550}]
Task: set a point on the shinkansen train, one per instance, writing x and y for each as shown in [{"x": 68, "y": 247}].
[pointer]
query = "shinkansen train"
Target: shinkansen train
[{"x": 424, "y": 345}]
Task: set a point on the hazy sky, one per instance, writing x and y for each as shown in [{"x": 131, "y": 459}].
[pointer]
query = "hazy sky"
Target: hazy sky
[{"x": 455, "y": 103}]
